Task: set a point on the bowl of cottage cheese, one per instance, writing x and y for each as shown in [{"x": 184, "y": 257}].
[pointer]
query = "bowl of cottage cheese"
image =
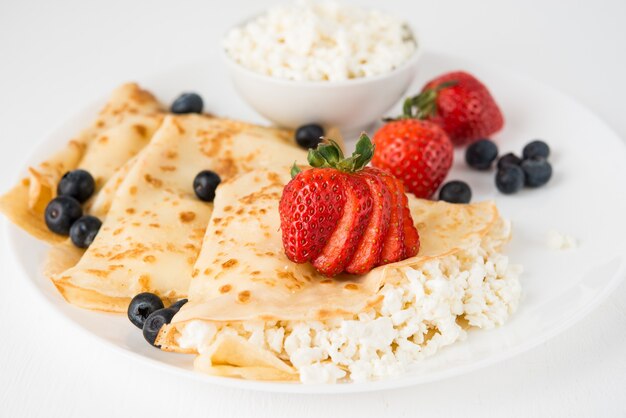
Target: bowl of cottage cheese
[{"x": 321, "y": 62}]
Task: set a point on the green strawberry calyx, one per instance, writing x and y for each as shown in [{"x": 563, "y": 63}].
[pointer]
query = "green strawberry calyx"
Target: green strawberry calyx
[
  {"x": 329, "y": 155},
  {"x": 424, "y": 105}
]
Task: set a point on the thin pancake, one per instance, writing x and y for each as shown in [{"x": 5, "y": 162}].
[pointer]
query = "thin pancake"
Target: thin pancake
[
  {"x": 243, "y": 274},
  {"x": 123, "y": 127},
  {"x": 154, "y": 228}
]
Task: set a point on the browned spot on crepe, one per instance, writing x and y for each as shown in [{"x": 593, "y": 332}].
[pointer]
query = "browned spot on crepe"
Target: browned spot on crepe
[
  {"x": 141, "y": 130},
  {"x": 153, "y": 180},
  {"x": 230, "y": 263},
  {"x": 244, "y": 296},
  {"x": 98, "y": 273},
  {"x": 187, "y": 217},
  {"x": 169, "y": 154},
  {"x": 144, "y": 282}
]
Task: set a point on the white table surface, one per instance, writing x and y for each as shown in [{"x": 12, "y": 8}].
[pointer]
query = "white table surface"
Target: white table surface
[{"x": 57, "y": 55}]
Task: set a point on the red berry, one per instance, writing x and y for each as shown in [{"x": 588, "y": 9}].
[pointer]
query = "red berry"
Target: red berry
[
  {"x": 465, "y": 109},
  {"x": 417, "y": 152}
]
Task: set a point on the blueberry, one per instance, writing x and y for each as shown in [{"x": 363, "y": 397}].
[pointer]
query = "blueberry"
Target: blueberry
[
  {"x": 155, "y": 321},
  {"x": 78, "y": 184},
  {"x": 455, "y": 192},
  {"x": 187, "y": 103},
  {"x": 205, "y": 184},
  {"x": 309, "y": 136},
  {"x": 481, "y": 154},
  {"x": 536, "y": 148},
  {"x": 178, "y": 304},
  {"x": 510, "y": 179},
  {"x": 141, "y": 306},
  {"x": 61, "y": 213},
  {"x": 84, "y": 231},
  {"x": 537, "y": 171},
  {"x": 509, "y": 159}
]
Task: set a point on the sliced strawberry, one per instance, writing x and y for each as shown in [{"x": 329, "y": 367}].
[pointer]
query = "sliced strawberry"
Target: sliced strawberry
[
  {"x": 393, "y": 243},
  {"x": 411, "y": 236},
  {"x": 347, "y": 234},
  {"x": 367, "y": 254},
  {"x": 311, "y": 205}
]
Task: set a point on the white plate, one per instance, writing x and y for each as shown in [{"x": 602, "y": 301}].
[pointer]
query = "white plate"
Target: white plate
[{"x": 586, "y": 198}]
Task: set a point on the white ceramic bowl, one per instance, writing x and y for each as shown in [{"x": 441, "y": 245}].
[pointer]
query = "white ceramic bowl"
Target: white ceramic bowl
[{"x": 350, "y": 105}]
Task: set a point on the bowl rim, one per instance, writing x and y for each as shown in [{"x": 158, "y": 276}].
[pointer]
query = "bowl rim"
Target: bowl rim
[{"x": 234, "y": 64}]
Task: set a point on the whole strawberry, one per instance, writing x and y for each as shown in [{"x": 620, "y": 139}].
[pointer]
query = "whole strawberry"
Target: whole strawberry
[
  {"x": 417, "y": 152},
  {"x": 461, "y": 105},
  {"x": 343, "y": 217}
]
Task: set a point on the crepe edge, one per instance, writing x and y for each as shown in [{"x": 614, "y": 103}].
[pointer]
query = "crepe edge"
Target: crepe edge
[
  {"x": 62, "y": 257},
  {"x": 14, "y": 205}
]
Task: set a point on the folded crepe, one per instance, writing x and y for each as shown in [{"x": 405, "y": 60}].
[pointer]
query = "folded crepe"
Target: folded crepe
[
  {"x": 242, "y": 276},
  {"x": 154, "y": 227},
  {"x": 121, "y": 130}
]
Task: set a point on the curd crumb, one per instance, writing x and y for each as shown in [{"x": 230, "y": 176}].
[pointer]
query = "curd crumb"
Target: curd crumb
[
  {"x": 559, "y": 241},
  {"x": 321, "y": 41}
]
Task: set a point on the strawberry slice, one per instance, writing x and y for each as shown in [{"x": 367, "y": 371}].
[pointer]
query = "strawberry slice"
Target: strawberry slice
[
  {"x": 411, "y": 236},
  {"x": 393, "y": 243},
  {"x": 349, "y": 230},
  {"x": 367, "y": 254},
  {"x": 310, "y": 207}
]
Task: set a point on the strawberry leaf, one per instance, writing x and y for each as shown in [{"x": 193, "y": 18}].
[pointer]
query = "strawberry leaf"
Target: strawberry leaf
[
  {"x": 330, "y": 155},
  {"x": 316, "y": 158},
  {"x": 407, "y": 108},
  {"x": 295, "y": 170},
  {"x": 364, "y": 151},
  {"x": 422, "y": 106}
]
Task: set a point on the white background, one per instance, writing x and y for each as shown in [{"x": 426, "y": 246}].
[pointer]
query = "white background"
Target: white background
[{"x": 57, "y": 56}]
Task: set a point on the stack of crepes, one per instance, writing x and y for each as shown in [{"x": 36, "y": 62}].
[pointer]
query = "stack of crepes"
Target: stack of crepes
[
  {"x": 252, "y": 313},
  {"x": 144, "y": 162}
]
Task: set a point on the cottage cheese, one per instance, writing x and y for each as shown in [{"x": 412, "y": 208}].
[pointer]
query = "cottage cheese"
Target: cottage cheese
[
  {"x": 310, "y": 40},
  {"x": 429, "y": 309},
  {"x": 559, "y": 241}
]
